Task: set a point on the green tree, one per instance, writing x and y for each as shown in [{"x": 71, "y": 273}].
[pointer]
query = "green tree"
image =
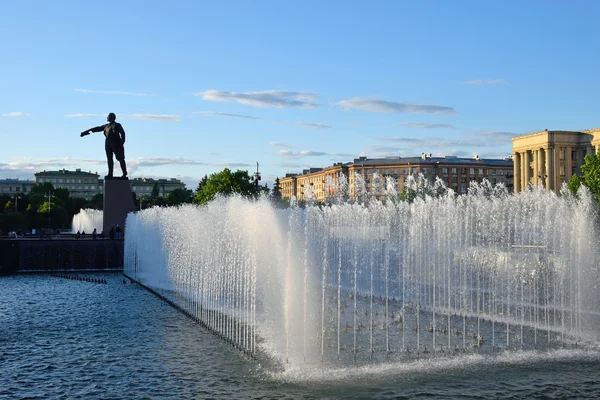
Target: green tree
[
  {"x": 13, "y": 221},
  {"x": 226, "y": 183},
  {"x": 180, "y": 196},
  {"x": 96, "y": 202},
  {"x": 202, "y": 183},
  {"x": 155, "y": 191},
  {"x": 276, "y": 192},
  {"x": 590, "y": 176},
  {"x": 56, "y": 215}
]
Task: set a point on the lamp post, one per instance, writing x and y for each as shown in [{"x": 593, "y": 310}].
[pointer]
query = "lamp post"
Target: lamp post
[
  {"x": 49, "y": 194},
  {"x": 16, "y": 197}
]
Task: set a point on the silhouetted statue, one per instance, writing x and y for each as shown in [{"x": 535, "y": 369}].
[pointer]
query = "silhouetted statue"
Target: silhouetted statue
[{"x": 115, "y": 139}]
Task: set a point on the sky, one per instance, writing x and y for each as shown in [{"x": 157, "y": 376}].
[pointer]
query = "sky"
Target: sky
[{"x": 200, "y": 86}]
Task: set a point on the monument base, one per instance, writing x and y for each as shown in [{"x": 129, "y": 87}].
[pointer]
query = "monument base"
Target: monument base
[{"x": 118, "y": 202}]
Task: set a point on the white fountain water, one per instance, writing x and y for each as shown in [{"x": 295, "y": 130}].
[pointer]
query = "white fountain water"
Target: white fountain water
[
  {"x": 88, "y": 219},
  {"x": 379, "y": 280}
]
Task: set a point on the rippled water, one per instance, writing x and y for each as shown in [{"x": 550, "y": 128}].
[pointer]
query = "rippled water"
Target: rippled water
[{"x": 61, "y": 338}]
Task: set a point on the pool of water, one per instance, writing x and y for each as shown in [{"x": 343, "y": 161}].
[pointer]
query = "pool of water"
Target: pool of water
[{"x": 62, "y": 338}]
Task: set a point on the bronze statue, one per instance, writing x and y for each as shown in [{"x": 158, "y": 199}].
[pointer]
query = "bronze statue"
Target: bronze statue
[{"x": 115, "y": 139}]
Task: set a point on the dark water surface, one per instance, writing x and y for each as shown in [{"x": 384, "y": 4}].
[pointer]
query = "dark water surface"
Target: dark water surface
[{"x": 69, "y": 339}]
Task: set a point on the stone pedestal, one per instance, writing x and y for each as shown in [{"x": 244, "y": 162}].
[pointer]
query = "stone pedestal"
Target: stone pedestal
[{"x": 118, "y": 202}]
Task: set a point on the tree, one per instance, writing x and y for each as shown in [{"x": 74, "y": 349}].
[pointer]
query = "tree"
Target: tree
[
  {"x": 13, "y": 221},
  {"x": 202, "y": 183},
  {"x": 180, "y": 196},
  {"x": 155, "y": 191},
  {"x": 590, "y": 176},
  {"x": 96, "y": 202},
  {"x": 276, "y": 192},
  {"x": 58, "y": 215},
  {"x": 226, "y": 183}
]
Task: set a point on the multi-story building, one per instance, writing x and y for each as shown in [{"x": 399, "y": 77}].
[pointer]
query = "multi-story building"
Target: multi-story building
[
  {"x": 87, "y": 184},
  {"x": 15, "y": 186},
  {"x": 78, "y": 182},
  {"x": 551, "y": 158},
  {"x": 144, "y": 186},
  {"x": 457, "y": 173},
  {"x": 288, "y": 186}
]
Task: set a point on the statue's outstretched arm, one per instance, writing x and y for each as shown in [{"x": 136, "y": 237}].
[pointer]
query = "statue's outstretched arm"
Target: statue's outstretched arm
[{"x": 95, "y": 129}]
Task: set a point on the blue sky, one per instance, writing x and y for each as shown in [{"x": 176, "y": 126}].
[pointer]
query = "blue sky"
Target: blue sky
[{"x": 200, "y": 86}]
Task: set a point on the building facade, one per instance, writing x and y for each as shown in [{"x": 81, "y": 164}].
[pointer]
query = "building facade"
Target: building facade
[
  {"x": 144, "y": 186},
  {"x": 78, "y": 182},
  {"x": 87, "y": 184},
  {"x": 457, "y": 173},
  {"x": 551, "y": 158},
  {"x": 15, "y": 186}
]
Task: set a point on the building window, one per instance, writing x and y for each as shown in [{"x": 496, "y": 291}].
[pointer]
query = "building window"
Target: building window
[
  {"x": 472, "y": 171},
  {"x": 445, "y": 171},
  {"x": 562, "y": 170},
  {"x": 480, "y": 171},
  {"x": 413, "y": 170},
  {"x": 463, "y": 170},
  {"x": 494, "y": 172},
  {"x": 574, "y": 155},
  {"x": 454, "y": 170},
  {"x": 463, "y": 179},
  {"x": 396, "y": 171},
  {"x": 405, "y": 171},
  {"x": 561, "y": 154}
]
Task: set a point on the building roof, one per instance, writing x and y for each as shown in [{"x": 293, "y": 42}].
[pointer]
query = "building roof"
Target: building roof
[
  {"x": 18, "y": 181},
  {"x": 62, "y": 172},
  {"x": 152, "y": 180},
  {"x": 364, "y": 161}
]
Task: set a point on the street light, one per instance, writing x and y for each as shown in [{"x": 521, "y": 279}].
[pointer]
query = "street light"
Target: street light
[
  {"x": 16, "y": 197},
  {"x": 50, "y": 195}
]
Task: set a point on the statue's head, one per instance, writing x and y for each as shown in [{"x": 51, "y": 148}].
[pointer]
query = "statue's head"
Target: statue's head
[{"x": 111, "y": 117}]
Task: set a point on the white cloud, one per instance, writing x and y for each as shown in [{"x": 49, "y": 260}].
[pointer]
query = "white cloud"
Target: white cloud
[
  {"x": 486, "y": 82},
  {"x": 278, "y": 144},
  {"x": 268, "y": 98},
  {"x": 484, "y": 143},
  {"x": 16, "y": 114},
  {"x": 383, "y": 106},
  {"x": 170, "y": 161},
  {"x": 306, "y": 153},
  {"x": 83, "y": 115},
  {"x": 424, "y": 125},
  {"x": 147, "y": 117},
  {"x": 25, "y": 168},
  {"x": 118, "y": 93},
  {"x": 312, "y": 125},
  {"x": 218, "y": 114},
  {"x": 152, "y": 117}
]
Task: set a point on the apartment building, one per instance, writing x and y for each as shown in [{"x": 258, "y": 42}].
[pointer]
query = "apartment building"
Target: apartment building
[
  {"x": 456, "y": 172},
  {"x": 78, "y": 182},
  {"x": 87, "y": 184},
  {"x": 15, "y": 186}
]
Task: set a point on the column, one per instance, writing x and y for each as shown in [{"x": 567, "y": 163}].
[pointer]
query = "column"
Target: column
[
  {"x": 568, "y": 163},
  {"x": 535, "y": 155},
  {"x": 517, "y": 172},
  {"x": 527, "y": 166},
  {"x": 556, "y": 169},
  {"x": 548, "y": 169}
]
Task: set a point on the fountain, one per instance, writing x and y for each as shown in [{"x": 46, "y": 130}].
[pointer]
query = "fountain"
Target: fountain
[
  {"x": 367, "y": 281},
  {"x": 87, "y": 219}
]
